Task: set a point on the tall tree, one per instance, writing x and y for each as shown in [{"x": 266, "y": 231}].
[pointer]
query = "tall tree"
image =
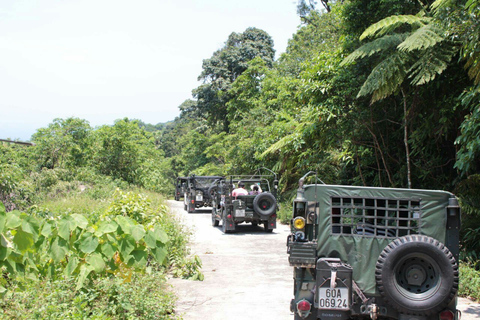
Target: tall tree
[{"x": 223, "y": 68}]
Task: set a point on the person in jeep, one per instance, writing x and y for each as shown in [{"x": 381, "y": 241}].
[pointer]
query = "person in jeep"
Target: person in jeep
[
  {"x": 240, "y": 191},
  {"x": 374, "y": 253}
]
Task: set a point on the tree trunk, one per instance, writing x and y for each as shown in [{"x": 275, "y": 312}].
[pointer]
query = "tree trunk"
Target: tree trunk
[{"x": 405, "y": 140}]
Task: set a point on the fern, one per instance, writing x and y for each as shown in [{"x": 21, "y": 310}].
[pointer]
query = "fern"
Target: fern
[
  {"x": 441, "y": 4},
  {"x": 369, "y": 49},
  {"x": 386, "y": 77},
  {"x": 389, "y": 24},
  {"x": 423, "y": 38},
  {"x": 432, "y": 62}
]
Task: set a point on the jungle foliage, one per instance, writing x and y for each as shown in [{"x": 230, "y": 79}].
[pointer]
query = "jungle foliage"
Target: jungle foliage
[{"x": 379, "y": 93}]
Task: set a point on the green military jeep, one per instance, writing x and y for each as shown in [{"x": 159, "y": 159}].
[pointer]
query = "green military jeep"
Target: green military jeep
[
  {"x": 197, "y": 193},
  {"x": 180, "y": 187},
  {"x": 379, "y": 253},
  {"x": 258, "y": 207}
]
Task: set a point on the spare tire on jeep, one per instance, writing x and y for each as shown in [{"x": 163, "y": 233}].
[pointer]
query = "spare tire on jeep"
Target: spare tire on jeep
[
  {"x": 417, "y": 275},
  {"x": 265, "y": 204}
]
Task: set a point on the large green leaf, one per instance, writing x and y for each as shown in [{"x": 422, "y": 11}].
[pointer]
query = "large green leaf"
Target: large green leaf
[
  {"x": 127, "y": 245},
  {"x": 85, "y": 270},
  {"x": 4, "y": 252},
  {"x": 96, "y": 261},
  {"x": 151, "y": 239},
  {"x": 108, "y": 250},
  {"x": 58, "y": 249},
  {"x": 139, "y": 258},
  {"x": 159, "y": 254},
  {"x": 46, "y": 229},
  {"x": 71, "y": 266},
  {"x": 80, "y": 220},
  {"x": 160, "y": 235},
  {"x": 31, "y": 225},
  {"x": 106, "y": 227},
  {"x": 3, "y": 217},
  {"x": 125, "y": 223},
  {"x": 88, "y": 243},
  {"x": 64, "y": 228},
  {"x": 13, "y": 221},
  {"x": 138, "y": 232},
  {"x": 23, "y": 240}
]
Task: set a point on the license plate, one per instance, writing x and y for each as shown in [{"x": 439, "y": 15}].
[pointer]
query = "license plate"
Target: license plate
[
  {"x": 333, "y": 298},
  {"x": 199, "y": 198},
  {"x": 240, "y": 213}
]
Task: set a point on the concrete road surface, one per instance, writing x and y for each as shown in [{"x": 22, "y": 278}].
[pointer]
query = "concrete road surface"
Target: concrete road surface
[{"x": 247, "y": 275}]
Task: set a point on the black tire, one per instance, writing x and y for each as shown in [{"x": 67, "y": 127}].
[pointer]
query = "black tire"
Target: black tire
[
  {"x": 184, "y": 207},
  {"x": 265, "y": 204},
  {"x": 215, "y": 222},
  {"x": 417, "y": 275},
  {"x": 212, "y": 191}
]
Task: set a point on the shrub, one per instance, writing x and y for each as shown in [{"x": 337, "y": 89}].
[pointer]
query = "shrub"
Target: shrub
[
  {"x": 146, "y": 296},
  {"x": 469, "y": 282}
]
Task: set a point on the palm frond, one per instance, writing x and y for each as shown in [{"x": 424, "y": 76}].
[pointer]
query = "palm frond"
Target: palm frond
[
  {"x": 280, "y": 144},
  {"x": 386, "y": 77},
  {"x": 432, "y": 62},
  {"x": 389, "y": 24},
  {"x": 441, "y": 4},
  {"x": 471, "y": 5},
  {"x": 377, "y": 45},
  {"x": 425, "y": 37},
  {"x": 473, "y": 67}
]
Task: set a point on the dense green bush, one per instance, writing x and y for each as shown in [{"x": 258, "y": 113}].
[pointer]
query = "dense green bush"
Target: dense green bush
[{"x": 469, "y": 282}]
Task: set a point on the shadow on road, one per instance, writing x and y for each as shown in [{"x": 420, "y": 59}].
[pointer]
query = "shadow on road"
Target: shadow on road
[{"x": 246, "y": 229}]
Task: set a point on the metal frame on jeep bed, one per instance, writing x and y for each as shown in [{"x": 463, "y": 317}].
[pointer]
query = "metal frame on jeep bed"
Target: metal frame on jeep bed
[{"x": 374, "y": 253}]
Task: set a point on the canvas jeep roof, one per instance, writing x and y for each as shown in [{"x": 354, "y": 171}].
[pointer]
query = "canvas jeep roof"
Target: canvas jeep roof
[{"x": 359, "y": 250}]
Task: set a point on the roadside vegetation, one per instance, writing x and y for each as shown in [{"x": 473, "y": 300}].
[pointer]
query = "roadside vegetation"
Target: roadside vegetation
[{"x": 368, "y": 92}]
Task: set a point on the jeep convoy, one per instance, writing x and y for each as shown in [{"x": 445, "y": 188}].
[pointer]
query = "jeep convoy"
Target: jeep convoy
[{"x": 356, "y": 252}]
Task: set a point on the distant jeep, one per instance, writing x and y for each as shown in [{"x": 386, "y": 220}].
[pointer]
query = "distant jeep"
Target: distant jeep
[
  {"x": 374, "y": 253},
  {"x": 258, "y": 207},
  {"x": 180, "y": 187},
  {"x": 197, "y": 192}
]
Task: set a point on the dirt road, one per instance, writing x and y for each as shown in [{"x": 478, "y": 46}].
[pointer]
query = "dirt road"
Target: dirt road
[{"x": 247, "y": 275}]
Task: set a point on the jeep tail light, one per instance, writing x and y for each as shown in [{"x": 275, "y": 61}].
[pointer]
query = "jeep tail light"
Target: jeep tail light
[
  {"x": 229, "y": 216},
  {"x": 303, "y": 305},
  {"x": 447, "y": 315},
  {"x": 193, "y": 201}
]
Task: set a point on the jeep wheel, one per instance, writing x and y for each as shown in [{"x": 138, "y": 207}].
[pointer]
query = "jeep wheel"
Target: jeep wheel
[
  {"x": 214, "y": 218},
  {"x": 264, "y": 204},
  {"x": 417, "y": 275}
]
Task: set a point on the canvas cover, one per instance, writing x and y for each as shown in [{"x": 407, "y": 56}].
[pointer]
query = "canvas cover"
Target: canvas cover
[{"x": 362, "y": 252}]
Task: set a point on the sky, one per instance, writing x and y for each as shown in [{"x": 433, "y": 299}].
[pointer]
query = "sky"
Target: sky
[{"x": 102, "y": 60}]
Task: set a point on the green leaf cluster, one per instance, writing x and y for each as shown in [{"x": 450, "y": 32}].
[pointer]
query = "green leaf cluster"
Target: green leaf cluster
[{"x": 33, "y": 248}]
